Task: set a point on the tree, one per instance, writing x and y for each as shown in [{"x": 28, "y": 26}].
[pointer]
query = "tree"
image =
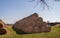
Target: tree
[
  {"x": 43, "y": 2},
  {"x": 57, "y": 0}
]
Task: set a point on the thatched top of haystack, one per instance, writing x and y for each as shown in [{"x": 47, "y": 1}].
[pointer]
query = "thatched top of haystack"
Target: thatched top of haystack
[
  {"x": 35, "y": 14},
  {"x": 2, "y": 23}
]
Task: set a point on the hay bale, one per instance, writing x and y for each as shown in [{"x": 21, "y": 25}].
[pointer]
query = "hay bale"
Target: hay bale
[
  {"x": 30, "y": 24},
  {"x": 57, "y": 25},
  {"x": 2, "y": 31},
  {"x": 3, "y": 28},
  {"x": 46, "y": 27}
]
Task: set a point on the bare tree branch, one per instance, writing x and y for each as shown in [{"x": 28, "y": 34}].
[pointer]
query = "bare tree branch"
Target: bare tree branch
[
  {"x": 40, "y": 1},
  {"x": 43, "y": 1},
  {"x": 36, "y": 4},
  {"x": 57, "y": 0},
  {"x": 31, "y": 0}
]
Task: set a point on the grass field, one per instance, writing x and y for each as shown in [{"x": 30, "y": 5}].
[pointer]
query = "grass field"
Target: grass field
[{"x": 55, "y": 33}]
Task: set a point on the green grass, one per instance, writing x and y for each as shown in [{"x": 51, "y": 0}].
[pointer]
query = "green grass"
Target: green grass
[{"x": 55, "y": 33}]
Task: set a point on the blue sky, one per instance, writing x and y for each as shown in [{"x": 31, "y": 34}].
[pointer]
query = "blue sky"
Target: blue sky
[{"x": 14, "y": 10}]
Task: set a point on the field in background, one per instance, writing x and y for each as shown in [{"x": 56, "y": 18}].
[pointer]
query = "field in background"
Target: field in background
[{"x": 55, "y": 33}]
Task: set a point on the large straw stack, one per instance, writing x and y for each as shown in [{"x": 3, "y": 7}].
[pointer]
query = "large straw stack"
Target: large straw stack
[{"x": 31, "y": 24}]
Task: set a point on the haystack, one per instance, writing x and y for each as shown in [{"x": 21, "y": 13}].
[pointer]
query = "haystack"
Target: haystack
[
  {"x": 57, "y": 25},
  {"x": 3, "y": 28},
  {"x": 30, "y": 24},
  {"x": 46, "y": 27}
]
